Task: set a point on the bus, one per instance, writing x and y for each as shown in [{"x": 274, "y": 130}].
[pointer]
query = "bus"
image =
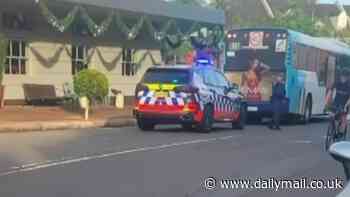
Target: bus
[{"x": 256, "y": 56}]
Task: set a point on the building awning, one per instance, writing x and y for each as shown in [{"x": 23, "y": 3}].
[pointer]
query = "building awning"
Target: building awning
[{"x": 160, "y": 8}]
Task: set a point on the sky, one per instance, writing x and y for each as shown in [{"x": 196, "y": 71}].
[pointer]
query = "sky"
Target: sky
[{"x": 345, "y": 2}]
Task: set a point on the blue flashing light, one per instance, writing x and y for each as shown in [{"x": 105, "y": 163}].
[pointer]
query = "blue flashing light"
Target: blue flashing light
[{"x": 204, "y": 62}]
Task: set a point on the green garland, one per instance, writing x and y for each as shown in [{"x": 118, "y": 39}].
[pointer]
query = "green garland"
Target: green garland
[
  {"x": 195, "y": 27},
  {"x": 95, "y": 29},
  {"x": 174, "y": 41},
  {"x": 60, "y": 24},
  {"x": 3, "y": 50},
  {"x": 130, "y": 32}
]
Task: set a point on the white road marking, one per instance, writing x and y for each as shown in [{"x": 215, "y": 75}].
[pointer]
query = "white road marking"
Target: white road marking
[
  {"x": 38, "y": 166},
  {"x": 302, "y": 142}
]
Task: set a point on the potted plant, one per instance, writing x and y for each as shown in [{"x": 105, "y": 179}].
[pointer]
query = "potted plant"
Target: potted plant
[
  {"x": 3, "y": 48},
  {"x": 90, "y": 85}
]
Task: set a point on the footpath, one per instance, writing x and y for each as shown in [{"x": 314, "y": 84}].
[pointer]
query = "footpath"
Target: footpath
[{"x": 29, "y": 118}]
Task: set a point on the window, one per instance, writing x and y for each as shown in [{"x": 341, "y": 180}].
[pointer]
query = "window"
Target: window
[
  {"x": 214, "y": 78},
  {"x": 331, "y": 69},
  {"x": 220, "y": 80},
  {"x": 172, "y": 76},
  {"x": 209, "y": 77},
  {"x": 79, "y": 59},
  {"x": 322, "y": 68},
  {"x": 128, "y": 64},
  {"x": 301, "y": 56},
  {"x": 16, "y": 58}
]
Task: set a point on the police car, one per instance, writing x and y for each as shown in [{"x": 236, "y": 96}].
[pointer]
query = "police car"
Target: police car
[{"x": 193, "y": 96}]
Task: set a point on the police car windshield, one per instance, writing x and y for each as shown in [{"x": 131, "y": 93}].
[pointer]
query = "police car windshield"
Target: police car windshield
[{"x": 172, "y": 76}]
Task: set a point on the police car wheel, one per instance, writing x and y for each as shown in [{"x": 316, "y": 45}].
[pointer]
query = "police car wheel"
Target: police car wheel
[
  {"x": 206, "y": 124},
  {"x": 144, "y": 125},
  {"x": 240, "y": 124}
]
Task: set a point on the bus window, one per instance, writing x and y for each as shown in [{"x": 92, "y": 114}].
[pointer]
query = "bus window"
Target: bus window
[
  {"x": 331, "y": 71},
  {"x": 322, "y": 68}
]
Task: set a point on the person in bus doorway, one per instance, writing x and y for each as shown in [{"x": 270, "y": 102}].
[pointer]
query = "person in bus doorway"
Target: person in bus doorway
[
  {"x": 278, "y": 95},
  {"x": 341, "y": 101},
  {"x": 252, "y": 78}
]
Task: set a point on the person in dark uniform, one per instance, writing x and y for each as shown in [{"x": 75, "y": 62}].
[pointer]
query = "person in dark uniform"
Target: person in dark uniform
[{"x": 278, "y": 95}]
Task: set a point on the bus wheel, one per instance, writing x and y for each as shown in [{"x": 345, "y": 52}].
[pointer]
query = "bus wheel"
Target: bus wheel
[{"x": 307, "y": 111}]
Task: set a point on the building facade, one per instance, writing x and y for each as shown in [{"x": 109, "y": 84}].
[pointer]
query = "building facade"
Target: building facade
[{"x": 39, "y": 54}]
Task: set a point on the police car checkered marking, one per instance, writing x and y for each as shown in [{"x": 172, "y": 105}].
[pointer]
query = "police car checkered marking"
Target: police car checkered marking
[
  {"x": 168, "y": 101},
  {"x": 222, "y": 104},
  {"x": 173, "y": 99}
]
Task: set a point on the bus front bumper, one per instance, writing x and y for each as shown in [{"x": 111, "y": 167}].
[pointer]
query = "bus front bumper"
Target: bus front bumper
[{"x": 266, "y": 107}]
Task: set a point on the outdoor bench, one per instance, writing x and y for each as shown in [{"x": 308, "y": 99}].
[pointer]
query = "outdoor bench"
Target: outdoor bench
[{"x": 41, "y": 94}]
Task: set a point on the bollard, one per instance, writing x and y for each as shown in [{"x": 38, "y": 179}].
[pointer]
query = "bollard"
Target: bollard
[
  {"x": 84, "y": 103},
  {"x": 119, "y": 101}
]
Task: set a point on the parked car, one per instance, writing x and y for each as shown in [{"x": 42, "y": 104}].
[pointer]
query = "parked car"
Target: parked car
[
  {"x": 340, "y": 151},
  {"x": 193, "y": 96}
]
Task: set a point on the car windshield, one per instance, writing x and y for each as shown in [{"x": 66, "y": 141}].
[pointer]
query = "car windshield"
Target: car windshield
[{"x": 172, "y": 76}]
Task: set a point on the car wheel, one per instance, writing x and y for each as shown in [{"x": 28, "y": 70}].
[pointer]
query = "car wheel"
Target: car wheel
[
  {"x": 206, "y": 123},
  {"x": 241, "y": 122},
  {"x": 145, "y": 125}
]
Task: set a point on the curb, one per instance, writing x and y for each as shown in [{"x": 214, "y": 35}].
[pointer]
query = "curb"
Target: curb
[{"x": 64, "y": 125}]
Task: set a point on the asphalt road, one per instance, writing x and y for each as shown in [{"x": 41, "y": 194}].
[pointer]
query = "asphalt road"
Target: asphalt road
[{"x": 168, "y": 162}]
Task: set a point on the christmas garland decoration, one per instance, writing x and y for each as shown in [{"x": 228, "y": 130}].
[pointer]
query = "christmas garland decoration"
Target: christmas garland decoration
[
  {"x": 130, "y": 32},
  {"x": 143, "y": 58},
  {"x": 60, "y": 24},
  {"x": 96, "y": 30},
  {"x": 212, "y": 40},
  {"x": 159, "y": 34},
  {"x": 110, "y": 65},
  {"x": 68, "y": 51},
  {"x": 194, "y": 28},
  {"x": 50, "y": 61},
  {"x": 174, "y": 41}
]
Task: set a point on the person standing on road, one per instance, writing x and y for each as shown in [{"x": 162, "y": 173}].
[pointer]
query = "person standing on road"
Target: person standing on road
[{"x": 278, "y": 95}]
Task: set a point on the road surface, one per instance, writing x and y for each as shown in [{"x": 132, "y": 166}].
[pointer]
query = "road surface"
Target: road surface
[{"x": 167, "y": 162}]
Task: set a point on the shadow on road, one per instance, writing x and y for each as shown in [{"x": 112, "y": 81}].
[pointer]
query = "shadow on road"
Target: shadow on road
[
  {"x": 285, "y": 122},
  {"x": 218, "y": 128}
]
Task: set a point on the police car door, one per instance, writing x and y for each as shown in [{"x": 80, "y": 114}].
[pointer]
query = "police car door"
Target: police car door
[{"x": 222, "y": 102}]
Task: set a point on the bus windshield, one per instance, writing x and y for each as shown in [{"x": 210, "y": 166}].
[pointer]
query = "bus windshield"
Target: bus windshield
[
  {"x": 254, "y": 58},
  {"x": 246, "y": 46}
]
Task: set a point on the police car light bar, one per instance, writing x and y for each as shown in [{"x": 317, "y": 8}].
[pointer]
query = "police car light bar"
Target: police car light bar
[{"x": 204, "y": 62}]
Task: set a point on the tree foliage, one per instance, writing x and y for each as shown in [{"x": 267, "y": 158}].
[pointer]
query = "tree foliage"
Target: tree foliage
[
  {"x": 92, "y": 84},
  {"x": 190, "y": 2},
  {"x": 218, "y": 4},
  {"x": 295, "y": 15}
]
